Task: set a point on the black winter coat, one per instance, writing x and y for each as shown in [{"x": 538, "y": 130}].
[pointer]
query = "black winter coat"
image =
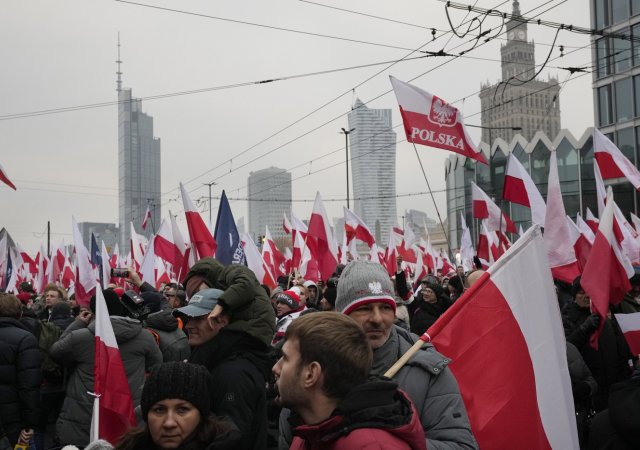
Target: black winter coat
[
  {"x": 608, "y": 364},
  {"x": 20, "y": 377},
  {"x": 422, "y": 314}
]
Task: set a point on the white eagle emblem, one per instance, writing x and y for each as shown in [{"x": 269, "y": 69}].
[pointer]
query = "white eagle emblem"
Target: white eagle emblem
[
  {"x": 442, "y": 113},
  {"x": 375, "y": 287}
]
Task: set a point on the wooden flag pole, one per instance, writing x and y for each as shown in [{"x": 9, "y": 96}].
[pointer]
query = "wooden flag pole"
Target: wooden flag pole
[{"x": 407, "y": 355}]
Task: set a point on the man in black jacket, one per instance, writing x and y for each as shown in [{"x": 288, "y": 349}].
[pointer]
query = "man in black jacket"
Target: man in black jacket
[{"x": 20, "y": 373}]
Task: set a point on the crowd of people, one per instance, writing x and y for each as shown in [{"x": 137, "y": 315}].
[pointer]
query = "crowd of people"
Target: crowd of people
[{"x": 220, "y": 361}]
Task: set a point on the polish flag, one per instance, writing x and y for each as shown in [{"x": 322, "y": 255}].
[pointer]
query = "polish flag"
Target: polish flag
[
  {"x": 421, "y": 271},
  {"x": 429, "y": 120},
  {"x": 585, "y": 229},
  {"x": 166, "y": 249},
  {"x": 113, "y": 405},
  {"x": 147, "y": 216},
  {"x": 188, "y": 258},
  {"x": 611, "y": 161},
  {"x": 507, "y": 346},
  {"x": 148, "y": 265},
  {"x": 202, "y": 242},
  {"x": 298, "y": 226},
  {"x": 605, "y": 278},
  {"x": 374, "y": 254},
  {"x": 519, "y": 188},
  {"x": 68, "y": 273},
  {"x": 487, "y": 247},
  {"x": 5, "y": 179},
  {"x": 271, "y": 255},
  {"x": 560, "y": 253},
  {"x": 355, "y": 228},
  {"x": 636, "y": 222},
  {"x": 592, "y": 221},
  {"x": 325, "y": 249},
  {"x": 485, "y": 208},
  {"x": 288, "y": 255},
  {"x": 138, "y": 247},
  {"x": 85, "y": 278},
  {"x": 630, "y": 326},
  {"x": 256, "y": 263},
  {"x": 580, "y": 243},
  {"x": 391, "y": 253},
  {"x": 286, "y": 225},
  {"x": 466, "y": 245}
]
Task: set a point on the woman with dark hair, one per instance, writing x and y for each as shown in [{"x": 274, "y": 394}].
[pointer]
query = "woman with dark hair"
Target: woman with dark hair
[
  {"x": 429, "y": 304},
  {"x": 175, "y": 405}
]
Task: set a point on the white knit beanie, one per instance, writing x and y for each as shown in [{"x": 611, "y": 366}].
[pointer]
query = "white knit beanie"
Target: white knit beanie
[{"x": 363, "y": 282}]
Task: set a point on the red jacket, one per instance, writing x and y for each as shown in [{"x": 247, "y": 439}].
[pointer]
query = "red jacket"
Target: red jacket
[{"x": 375, "y": 415}]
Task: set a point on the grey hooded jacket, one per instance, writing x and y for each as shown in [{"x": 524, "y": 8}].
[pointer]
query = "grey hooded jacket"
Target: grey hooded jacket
[{"x": 75, "y": 351}]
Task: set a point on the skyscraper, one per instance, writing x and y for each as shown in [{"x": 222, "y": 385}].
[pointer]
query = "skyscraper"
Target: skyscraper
[
  {"x": 373, "y": 166},
  {"x": 519, "y": 100},
  {"x": 138, "y": 165},
  {"x": 269, "y": 192}
]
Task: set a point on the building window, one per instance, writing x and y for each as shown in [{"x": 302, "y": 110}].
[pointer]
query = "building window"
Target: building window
[
  {"x": 602, "y": 13},
  {"x": 625, "y": 140},
  {"x": 622, "y": 52},
  {"x": 635, "y": 34},
  {"x": 604, "y": 105},
  {"x": 635, "y": 7},
  {"x": 624, "y": 100},
  {"x": 619, "y": 10}
]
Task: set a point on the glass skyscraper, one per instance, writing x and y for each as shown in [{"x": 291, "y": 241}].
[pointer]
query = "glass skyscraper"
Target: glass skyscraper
[
  {"x": 138, "y": 168},
  {"x": 373, "y": 166}
]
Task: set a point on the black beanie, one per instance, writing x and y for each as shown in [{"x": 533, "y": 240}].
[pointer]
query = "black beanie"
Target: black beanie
[
  {"x": 177, "y": 380},
  {"x": 576, "y": 287},
  {"x": 152, "y": 300},
  {"x": 114, "y": 306}
]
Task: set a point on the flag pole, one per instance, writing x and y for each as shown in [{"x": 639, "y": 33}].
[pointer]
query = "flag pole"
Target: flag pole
[
  {"x": 434, "y": 201},
  {"x": 425, "y": 338}
]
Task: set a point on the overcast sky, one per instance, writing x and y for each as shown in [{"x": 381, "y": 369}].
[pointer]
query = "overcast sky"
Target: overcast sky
[{"x": 59, "y": 54}]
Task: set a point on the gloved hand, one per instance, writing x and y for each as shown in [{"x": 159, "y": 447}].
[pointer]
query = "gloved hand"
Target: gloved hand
[{"x": 590, "y": 324}]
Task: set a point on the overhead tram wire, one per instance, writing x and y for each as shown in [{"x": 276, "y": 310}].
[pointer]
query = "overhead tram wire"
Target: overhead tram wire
[
  {"x": 337, "y": 117},
  {"x": 311, "y": 113}
]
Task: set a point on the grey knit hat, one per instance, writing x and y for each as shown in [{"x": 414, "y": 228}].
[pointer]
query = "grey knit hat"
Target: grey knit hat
[{"x": 363, "y": 282}]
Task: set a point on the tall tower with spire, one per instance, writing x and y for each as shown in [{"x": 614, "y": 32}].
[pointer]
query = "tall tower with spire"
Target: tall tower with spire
[
  {"x": 138, "y": 165},
  {"x": 519, "y": 100}
]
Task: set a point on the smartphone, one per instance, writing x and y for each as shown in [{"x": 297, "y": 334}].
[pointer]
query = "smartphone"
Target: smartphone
[{"x": 120, "y": 272}]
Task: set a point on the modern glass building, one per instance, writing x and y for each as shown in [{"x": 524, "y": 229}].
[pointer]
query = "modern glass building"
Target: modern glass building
[
  {"x": 373, "y": 168},
  {"x": 138, "y": 167},
  {"x": 616, "y": 83},
  {"x": 269, "y": 200},
  {"x": 575, "y": 169}
]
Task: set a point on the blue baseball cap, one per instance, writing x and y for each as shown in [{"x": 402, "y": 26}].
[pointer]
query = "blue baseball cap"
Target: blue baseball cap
[{"x": 201, "y": 303}]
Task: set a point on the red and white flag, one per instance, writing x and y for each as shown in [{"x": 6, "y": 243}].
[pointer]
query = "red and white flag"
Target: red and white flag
[
  {"x": 487, "y": 246},
  {"x": 580, "y": 243},
  {"x": 630, "y": 326},
  {"x": 466, "y": 245},
  {"x": 592, "y": 221},
  {"x": 585, "y": 229},
  {"x": 562, "y": 258},
  {"x": 106, "y": 266},
  {"x": 256, "y": 263},
  {"x": 271, "y": 255},
  {"x": 147, "y": 216},
  {"x": 85, "y": 278},
  {"x": 507, "y": 346},
  {"x": 485, "y": 208},
  {"x": 166, "y": 249},
  {"x": 286, "y": 225},
  {"x": 429, "y": 120},
  {"x": 325, "y": 249},
  {"x": 202, "y": 242},
  {"x": 605, "y": 278},
  {"x": 5, "y": 178},
  {"x": 113, "y": 405},
  {"x": 355, "y": 228},
  {"x": 519, "y": 188},
  {"x": 611, "y": 161}
]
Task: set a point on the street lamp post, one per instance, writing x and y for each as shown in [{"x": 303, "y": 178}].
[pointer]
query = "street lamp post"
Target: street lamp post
[
  {"x": 346, "y": 146},
  {"x": 210, "y": 184}
]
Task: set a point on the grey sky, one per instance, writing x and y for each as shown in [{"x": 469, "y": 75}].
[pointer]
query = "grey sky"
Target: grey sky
[{"x": 62, "y": 54}]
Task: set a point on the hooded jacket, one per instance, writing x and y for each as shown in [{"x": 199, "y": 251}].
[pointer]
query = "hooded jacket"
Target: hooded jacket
[
  {"x": 374, "y": 415},
  {"x": 20, "y": 378},
  {"x": 75, "y": 351},
  {"x": 244, "y": 298},
  {"x": 173, "y": 342}
]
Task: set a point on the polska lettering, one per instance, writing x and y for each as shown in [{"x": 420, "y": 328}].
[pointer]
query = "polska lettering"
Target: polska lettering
[{"x": 437, "y": 138}]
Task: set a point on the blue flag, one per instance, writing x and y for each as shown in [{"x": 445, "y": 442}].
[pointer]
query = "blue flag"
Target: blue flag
[
  {"x": 229, "y": 249},
  {"x": 96, "y": 254}
]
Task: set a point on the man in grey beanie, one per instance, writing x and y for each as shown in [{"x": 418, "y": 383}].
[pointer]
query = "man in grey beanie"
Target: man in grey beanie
[{"x": 366, "y": 294}]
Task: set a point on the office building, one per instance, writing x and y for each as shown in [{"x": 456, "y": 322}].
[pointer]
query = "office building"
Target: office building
[
  {"x": 269, "y": 196},
  {"x": 373, "y": 168},
  {"x": 138, "y": 166}
]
